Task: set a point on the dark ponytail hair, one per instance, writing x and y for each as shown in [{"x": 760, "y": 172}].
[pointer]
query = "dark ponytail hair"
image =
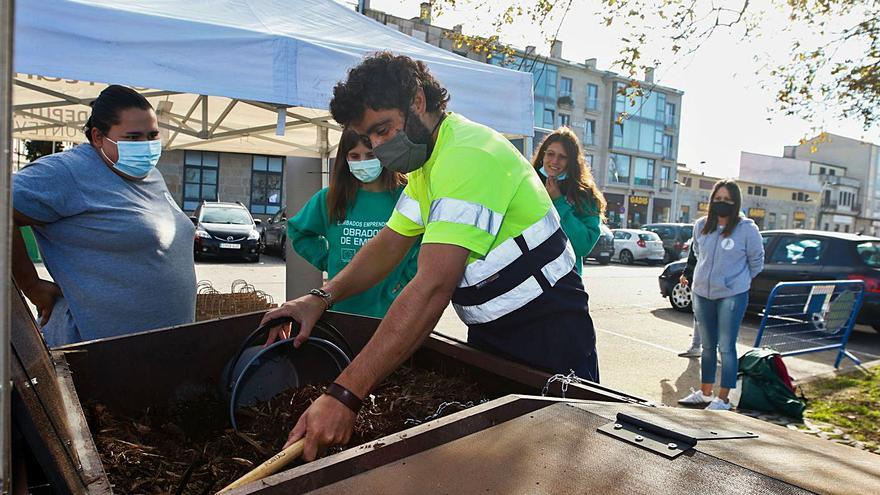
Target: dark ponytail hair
[{"x": 107, "y": 106}]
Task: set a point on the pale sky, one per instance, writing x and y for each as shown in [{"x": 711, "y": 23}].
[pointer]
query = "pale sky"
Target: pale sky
[{"x": 724, "y": 109}]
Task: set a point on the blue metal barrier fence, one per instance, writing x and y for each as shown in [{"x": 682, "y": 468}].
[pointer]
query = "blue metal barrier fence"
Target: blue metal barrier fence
[{"x": 815, "y": 316}]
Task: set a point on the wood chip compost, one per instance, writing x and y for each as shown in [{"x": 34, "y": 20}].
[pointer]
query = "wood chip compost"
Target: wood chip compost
[{"x": 190, "y": 448}]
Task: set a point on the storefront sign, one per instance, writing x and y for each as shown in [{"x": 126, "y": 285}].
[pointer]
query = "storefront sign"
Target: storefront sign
[
  {"x": 703, "y": 206},
  {"x": 800, "y": 215},
  {"x": 757, "y": 212},
  {"x": 638, "y": 200}
]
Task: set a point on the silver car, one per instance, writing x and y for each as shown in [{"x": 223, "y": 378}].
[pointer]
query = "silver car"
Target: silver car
[{"x": 631, "y": 245}]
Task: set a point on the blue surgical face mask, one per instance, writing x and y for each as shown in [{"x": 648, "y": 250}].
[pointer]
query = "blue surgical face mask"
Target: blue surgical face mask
[
  {"x": 136, "y": 158},
  {"x": 558, "y": 177},
  {"x": 366, "y": 170}
]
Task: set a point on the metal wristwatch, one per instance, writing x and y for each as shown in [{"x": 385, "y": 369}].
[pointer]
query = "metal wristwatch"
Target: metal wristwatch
[{"x": 324, "y": 295}]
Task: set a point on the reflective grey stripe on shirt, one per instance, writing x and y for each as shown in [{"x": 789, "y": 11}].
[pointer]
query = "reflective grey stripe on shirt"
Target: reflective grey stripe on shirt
[
  {"x": 465, "y": 213},
  {"x": 561, "y": 266},
  {"x": 493, "y": 309},
  {"x": 409, "y": 208},
  {"x": 520, "y": 295},
  {"x": 507, "y": 252}
]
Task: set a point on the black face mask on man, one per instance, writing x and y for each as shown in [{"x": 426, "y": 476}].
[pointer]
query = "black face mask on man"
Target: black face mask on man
[
  {"x": 722, "y": 208},
  {"x": 403, "y": 153}
]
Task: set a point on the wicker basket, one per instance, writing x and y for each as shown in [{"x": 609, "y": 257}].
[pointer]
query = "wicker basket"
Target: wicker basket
[{"x": 242, "y": 298}]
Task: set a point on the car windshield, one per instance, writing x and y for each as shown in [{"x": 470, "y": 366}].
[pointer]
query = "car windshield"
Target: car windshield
[
  {"x": 870, "y": 253},
  {"x": 649, "y": 236},
  {"x": 235, "y": 216}
]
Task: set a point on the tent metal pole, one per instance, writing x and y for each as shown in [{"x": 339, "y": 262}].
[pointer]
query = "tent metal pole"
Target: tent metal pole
[
  {"x": 6, "y": 72},
  {"x": 222, "y": 117},
  {"x": 204, "y": 132},
  {"x": 183, "y": 122}
]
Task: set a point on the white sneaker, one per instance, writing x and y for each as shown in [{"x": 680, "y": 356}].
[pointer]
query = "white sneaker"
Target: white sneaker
[
  {"x": 692, "y": 352},
  {"x": 696, "y": 398},
  {"x": 718, "y": 405}
]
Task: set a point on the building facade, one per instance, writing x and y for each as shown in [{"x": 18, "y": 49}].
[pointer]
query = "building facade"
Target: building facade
[
  {"x": 255, "y": 181},
  {"x": 849, "y": 170},
  {"x": 630, "y": 129},
  {"x": 770, "y": 206}
]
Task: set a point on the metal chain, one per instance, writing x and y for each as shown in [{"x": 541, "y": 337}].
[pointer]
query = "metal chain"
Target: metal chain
[
  {"x": 566, "y": 380},
  {"x": 439, "y": 412}
]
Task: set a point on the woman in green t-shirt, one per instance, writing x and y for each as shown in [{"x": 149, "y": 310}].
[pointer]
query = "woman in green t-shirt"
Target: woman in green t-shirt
[
  {"x": 340, "y": 219},
  {"x": 581, "y": 206}
]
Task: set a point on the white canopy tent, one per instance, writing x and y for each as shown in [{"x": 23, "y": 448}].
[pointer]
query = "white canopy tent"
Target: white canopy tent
[{"x": 250, "y": 76}]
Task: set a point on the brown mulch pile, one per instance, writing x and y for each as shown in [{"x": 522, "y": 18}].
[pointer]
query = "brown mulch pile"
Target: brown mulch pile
[{"x": 190, "y": 448}]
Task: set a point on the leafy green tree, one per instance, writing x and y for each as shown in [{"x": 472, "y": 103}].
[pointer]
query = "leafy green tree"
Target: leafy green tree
[
  {"x": 832, "y": 63},
  {"x": 36, "y": 149}
]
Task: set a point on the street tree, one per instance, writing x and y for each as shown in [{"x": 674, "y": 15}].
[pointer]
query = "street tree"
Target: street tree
[{"x": 832, "y": 63}]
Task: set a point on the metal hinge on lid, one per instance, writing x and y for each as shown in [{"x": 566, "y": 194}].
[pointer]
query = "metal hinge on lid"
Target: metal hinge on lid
[{"x": 662, "y": 440}]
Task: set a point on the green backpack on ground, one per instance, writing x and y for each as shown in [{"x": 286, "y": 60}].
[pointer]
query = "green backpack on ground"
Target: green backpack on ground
[{"x": 766, "y": 385}]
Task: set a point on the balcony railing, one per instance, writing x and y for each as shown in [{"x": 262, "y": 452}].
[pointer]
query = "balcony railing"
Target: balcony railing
[
  {"x": 829, "y": 205},
  {"x": 839, "y": 180}
]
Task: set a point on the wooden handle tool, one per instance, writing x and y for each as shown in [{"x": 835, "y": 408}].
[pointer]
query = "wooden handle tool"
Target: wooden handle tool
[{"x": 276, "y": 463}]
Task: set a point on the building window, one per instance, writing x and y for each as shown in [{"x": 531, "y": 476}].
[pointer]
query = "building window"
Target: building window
[
  {"x": 751, "y": 190},
  {"x": 822, "y": 170},
  {"x": 831, "y": 171},
  {"x": 549, "y": 117},
  {"x": 588, "y": 159},
  {"x": 664, "y": 177},
  {"x": 644, "y": 173},
  {"x": 618, "y": 130},
  {"x": 618, "y": 168},
  {"x": 200, "y": 171},
  {"x": 644, "y": 120},
  {"x": 706, "y": 184},
  {"x": 670, "y": 114},
  {"x": 764, "y": 192},
  {"x": 800, "y": 196},
  {"x": 266, "y": 176},
  {"x": 592, "y": 97},
  {"x": 590, "y": 132},
  {"x": 564, "y": 120},
  {"x": 668, "y": 150},
  {"x": 564, "y": 86},
  {"x": 794, "y": 196}
]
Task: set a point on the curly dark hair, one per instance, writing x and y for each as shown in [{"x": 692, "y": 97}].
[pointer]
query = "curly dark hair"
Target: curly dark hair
[{"x": 384, "y": 81}]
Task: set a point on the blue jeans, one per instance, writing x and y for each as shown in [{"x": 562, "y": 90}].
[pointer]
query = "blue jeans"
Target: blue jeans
[{"x": 719, "y": 321}]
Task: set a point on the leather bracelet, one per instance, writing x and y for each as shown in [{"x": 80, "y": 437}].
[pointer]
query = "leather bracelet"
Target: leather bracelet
[{"x": 345, "y": 396}]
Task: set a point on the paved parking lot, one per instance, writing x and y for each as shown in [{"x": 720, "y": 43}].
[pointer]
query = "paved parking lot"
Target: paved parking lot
[{"x": 639, "y": 335}]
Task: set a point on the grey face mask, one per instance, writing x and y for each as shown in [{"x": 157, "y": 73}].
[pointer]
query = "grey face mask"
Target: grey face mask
[{"x": 399, "y": 154}]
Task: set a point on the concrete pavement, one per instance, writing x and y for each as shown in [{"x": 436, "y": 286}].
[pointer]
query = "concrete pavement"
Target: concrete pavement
[{"x": 638, "y": 334}]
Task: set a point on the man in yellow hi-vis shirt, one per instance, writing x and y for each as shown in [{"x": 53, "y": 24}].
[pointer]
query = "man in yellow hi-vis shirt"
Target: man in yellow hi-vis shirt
[{"x": 492, "y": 244}]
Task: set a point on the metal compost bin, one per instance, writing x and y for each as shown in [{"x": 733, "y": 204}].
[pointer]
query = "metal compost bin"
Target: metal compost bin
[{"x": 157, "y": 368}]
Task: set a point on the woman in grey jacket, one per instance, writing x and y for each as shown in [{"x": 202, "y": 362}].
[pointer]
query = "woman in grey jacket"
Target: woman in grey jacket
[{"x": 730, "y": 253}]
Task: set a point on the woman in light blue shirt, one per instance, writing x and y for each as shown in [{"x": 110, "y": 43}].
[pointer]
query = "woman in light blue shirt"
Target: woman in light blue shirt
[
  {"x": 730, "y": 253},
  {"x": 118, "y": 247}
]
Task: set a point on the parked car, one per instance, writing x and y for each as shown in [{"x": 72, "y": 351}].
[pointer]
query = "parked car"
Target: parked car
[
  {"x": 674, "y": 236},
  {"x": 604, "y": 247},
  {"x": 275, "y": 233},
  {"x": 799, "y": 256},
  {"x": 226, "y": 230},
  {"x": 631, "y": 245}
]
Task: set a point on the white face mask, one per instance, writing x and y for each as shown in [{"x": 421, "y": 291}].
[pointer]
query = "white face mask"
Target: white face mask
[{"x": 365, "y": 170}]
